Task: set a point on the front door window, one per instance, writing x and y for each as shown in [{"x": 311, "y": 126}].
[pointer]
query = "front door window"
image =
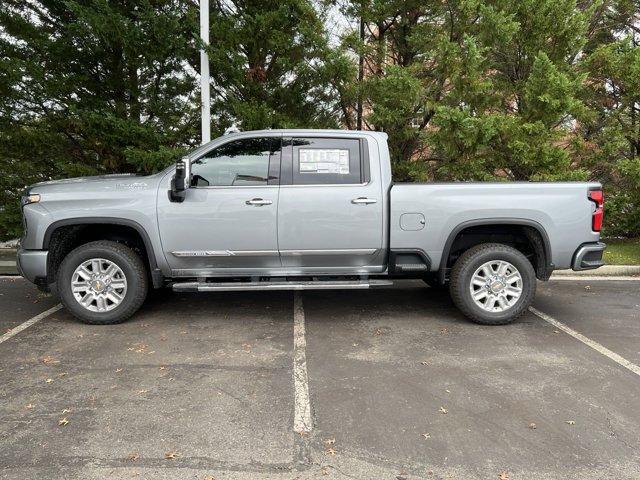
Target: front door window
[{"x": 244, "y": 162}]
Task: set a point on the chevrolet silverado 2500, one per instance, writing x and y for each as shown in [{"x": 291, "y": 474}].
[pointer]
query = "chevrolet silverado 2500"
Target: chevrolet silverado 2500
[{"x": 301, "y": 209}]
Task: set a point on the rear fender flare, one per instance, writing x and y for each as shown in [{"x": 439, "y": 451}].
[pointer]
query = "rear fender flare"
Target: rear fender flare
[{"x": 493, "y": 221}]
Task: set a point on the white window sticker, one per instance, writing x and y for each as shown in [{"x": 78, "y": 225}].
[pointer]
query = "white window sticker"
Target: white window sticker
[{"x": 324, "y": 160}]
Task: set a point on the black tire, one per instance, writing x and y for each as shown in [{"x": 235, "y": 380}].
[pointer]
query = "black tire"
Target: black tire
[
  {"x": 132, "y": 267},
  {"x": 464, "y": 269}
]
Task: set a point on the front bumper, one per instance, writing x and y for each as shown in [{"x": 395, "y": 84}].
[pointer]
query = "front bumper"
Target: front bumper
[
  {"x": 32, "y": 264},
  {"x": 588, "y": 256}
]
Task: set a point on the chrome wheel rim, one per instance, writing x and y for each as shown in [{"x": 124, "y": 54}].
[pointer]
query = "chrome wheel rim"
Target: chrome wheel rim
[
  {"x": 496, "y": 286},
  {"x": 99, "y": 285}
]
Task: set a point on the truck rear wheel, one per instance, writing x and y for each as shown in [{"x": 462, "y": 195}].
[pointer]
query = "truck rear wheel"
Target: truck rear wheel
[
  {"x": 102, "y": 282},
  {"x": 492, "y": 284}
]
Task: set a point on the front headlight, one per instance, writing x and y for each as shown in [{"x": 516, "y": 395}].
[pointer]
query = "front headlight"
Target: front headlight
[{"x": 27, "y": 199}]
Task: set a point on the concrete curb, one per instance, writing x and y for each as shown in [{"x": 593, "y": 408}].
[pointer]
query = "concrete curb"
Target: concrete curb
[
  {"x": 8, "y": 262},
  {"x": 604, "y": 271}
]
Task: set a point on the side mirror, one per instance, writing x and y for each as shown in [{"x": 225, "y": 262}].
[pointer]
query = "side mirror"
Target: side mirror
[{"x": 181, "y": 180}]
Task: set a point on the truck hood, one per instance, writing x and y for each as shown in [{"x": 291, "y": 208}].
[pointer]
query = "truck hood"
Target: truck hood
[
  {"x": 116, "y": 182},
  {"x": 97, "y": 178}
]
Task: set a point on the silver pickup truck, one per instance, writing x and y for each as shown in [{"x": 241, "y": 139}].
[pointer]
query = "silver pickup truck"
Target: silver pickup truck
[{"x": 301, "y": 209}]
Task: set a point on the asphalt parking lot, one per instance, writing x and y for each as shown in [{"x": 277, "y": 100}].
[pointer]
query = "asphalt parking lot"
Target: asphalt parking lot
[{"x": 400, "y": 386}]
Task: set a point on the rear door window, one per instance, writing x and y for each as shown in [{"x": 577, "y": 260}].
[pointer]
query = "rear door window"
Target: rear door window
[{"x": 326, "y": 161}]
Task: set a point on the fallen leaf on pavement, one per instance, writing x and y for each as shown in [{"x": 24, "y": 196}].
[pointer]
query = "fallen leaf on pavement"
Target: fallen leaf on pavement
[
  {"x": 49, "y": 360},
  {"x": 377, "y": 332},
  {"x": 324, "y": 471},
  {"x": 170, "y": 455},
  {"x": 49, "y": 380},
  {"x": 142, "y": 392},
  {"x": 330, "y": 451},
  {"x": 66, "y": 410},
  {"x": 503, "y": 476},
  {"x": 132, "y": 457},
  {"x": 533, "y": 426},
  {"x": 329, "y": 441},
  {"x": 424, "y": 362},
  {"x": 118, "y": 370},
  {"x": 63, "y": 374},
  {"x": 426, "y": 436},
  {"x": 570, "y": 422},
  {"x": 208, "y": 477},
  {"x": 63, "y": 421},
  {"x": 163, "y": 367},
  {"x": 443, "y": 410},
  {"x": 29, "y": 406}
]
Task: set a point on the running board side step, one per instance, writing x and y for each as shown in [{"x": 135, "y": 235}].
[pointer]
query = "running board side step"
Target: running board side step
[{"x": 307, "y": 285}]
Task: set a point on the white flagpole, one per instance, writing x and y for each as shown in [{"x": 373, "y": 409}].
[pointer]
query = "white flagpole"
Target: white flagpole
[{"x": 204, "y": 72}]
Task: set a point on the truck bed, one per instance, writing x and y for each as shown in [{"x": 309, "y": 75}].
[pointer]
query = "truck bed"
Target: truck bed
[{"x": 427, "y": 216}]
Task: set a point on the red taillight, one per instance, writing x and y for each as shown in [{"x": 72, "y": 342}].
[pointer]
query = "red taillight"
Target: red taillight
[{"x": 597, "y": 197}]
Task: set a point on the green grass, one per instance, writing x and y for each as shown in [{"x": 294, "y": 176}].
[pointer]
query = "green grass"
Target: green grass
[{"x": 622, "y": 251}]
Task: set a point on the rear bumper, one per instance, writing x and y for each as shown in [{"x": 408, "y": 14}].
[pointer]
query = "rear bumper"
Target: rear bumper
[
  {"x": 32, "y": 264},
  {"x": 588, "y": 256}
]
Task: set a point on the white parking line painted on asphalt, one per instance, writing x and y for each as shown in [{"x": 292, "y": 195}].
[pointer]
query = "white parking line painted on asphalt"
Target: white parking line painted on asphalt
[
  {"x": 302, "y": 408},
  {"x": 28, "y": 323},
  {"x": 587, "y": 341}
]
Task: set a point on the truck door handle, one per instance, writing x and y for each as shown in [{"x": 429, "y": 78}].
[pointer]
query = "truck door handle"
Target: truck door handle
[
  {"x": 258, "y": 202},
  {"x": 363, "y": 201}
]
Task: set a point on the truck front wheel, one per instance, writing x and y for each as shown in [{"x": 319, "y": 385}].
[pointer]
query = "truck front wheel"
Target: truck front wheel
[
  {"x": 102, "y": 282},
  {"x": 492, "y": 284}
]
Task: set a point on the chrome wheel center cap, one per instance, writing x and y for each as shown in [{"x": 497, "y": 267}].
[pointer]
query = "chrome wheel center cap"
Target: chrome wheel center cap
[
  {"x": 496, "y": 286},
  {"x": 98, "y": 286},
  {"x": 100, "y": 283}
]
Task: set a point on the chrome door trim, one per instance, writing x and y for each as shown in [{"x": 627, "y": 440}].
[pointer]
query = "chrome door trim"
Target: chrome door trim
[
  {"x": 327, "y": 185},
  {"x": 276, "y": 272},
  {"x": 225, "y": 253},
  {"x": 223, "y": 187},
  {"x": 343, "y": 251}
]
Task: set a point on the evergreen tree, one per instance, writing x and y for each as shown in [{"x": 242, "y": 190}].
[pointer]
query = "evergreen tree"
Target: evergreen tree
[
  {"x": 271, "y": 66},
  {"x": 611, "y": 140},
  {"x": 466, "y": 89},
  {"x": 92, "y": 86},
  {"x": 102, "y": 86},
  {"x": 473, "y": 89}
]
